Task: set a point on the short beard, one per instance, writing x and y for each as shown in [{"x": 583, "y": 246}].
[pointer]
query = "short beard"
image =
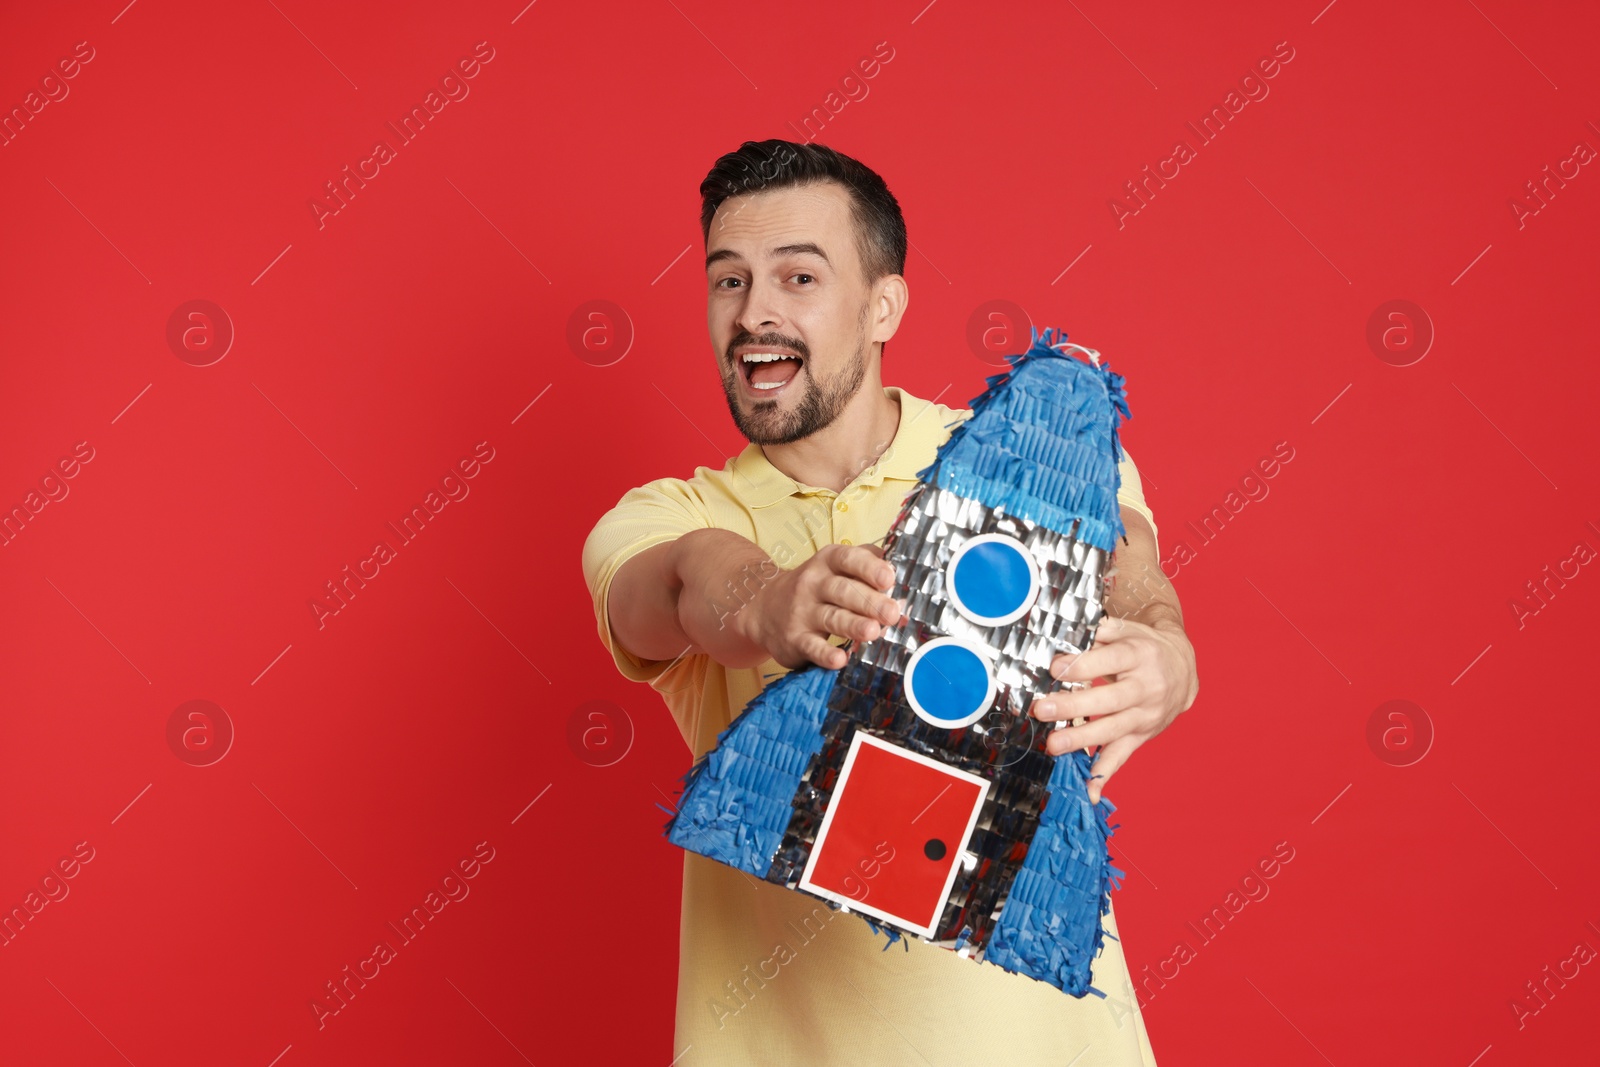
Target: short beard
[{"x": 818, "y": 408}]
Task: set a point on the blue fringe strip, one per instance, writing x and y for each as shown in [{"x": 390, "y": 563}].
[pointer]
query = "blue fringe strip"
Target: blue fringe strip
[
  {"x": 1042, "y": 443},
  {"x": 1050, "y": 928},
  {"x": 739, "y": 796}
]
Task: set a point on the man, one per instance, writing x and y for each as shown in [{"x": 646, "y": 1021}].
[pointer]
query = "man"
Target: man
[{"x": 712, "y": 587}]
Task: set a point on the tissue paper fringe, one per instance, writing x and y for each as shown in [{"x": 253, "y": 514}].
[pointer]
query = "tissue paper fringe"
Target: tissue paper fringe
[
  {"x": 1044, "y": 459},
  {"x": 1051, "y": 927},
  {"x": 738, "y": 797}
]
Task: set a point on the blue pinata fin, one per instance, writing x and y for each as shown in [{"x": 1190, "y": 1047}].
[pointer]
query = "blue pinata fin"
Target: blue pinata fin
[{"x": 738, "y": 797}]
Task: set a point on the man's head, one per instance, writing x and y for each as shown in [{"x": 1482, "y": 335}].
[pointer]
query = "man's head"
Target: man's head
[{"x": 805, "y": 252}]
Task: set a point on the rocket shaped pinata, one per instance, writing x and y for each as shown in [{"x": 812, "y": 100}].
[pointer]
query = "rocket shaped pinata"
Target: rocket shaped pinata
[{"x": 911, "y": 786}]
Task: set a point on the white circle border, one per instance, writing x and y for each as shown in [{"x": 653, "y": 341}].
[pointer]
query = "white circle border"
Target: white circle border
[
  {"x": 1034, "y": 580},
  {"x": 988, "y": 672}
]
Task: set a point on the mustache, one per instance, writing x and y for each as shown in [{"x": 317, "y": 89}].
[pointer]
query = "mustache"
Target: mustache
[{"x": 772, "y": 340}]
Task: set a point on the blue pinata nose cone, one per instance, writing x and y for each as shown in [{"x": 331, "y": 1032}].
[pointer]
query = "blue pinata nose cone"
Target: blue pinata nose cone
[{"x": 1042, "y": 442}]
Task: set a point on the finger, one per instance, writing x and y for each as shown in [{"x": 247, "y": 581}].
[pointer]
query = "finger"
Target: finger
[
  {"x": 1101, "y": 731},
  {"x": 863, "y": 563},
  {"x": 1092, "y": 700},
  {"x": 1107, "y": 762},
  {"x": 818, "y": 651},
  {"x": 1114, "y": 628},
  {"x": 844, "y": 623},
  {"x": 1101, "y": 661},
  {"x": 1063, "y": 661},
  {"x": 854, "y": 596}
]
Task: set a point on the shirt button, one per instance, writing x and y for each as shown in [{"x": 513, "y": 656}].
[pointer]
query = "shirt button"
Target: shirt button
[
  {"x": 843, "y": 506},
  {"x": 845, "y": 541}
]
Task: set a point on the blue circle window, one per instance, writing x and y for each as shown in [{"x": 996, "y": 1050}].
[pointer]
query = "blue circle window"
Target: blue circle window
[
  {"x": 992, "y": 579},
  {"x": 949, "y": 683}
]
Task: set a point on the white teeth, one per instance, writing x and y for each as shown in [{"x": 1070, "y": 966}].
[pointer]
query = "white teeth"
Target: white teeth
[{"x": 767, "y": 357}]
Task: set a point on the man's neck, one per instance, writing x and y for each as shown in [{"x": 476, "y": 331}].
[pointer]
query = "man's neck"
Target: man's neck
[{"x": 832, "y": 457}]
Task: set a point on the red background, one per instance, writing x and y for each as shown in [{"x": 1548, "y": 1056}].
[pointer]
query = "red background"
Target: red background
[{"x": 373, "y": 754}]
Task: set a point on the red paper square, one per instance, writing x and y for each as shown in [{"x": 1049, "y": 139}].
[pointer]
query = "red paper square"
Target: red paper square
[{"x": 893, "y": 834}]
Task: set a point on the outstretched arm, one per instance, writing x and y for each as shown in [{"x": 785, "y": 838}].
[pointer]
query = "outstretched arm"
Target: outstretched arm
[
  {"x": 714, "y": 592},
  {"x": 1142, "y": 655}
]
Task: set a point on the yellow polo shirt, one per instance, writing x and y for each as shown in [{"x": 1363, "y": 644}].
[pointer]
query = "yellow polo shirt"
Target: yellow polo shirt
[{"x": 771, "y": 975}]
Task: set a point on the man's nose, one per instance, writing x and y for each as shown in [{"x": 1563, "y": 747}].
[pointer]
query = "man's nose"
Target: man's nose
[{"x": 760, "y": 313}]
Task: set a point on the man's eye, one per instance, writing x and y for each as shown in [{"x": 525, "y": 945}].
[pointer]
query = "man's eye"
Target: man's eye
[
  {"x": 806, "y": 276},
  {"x": 721, "y": 284}
]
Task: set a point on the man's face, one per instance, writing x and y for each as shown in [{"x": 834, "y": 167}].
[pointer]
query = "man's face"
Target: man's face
[{"x": 784, "y": 279}]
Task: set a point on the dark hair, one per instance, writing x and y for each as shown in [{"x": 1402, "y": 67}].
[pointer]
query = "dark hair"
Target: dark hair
[{"x": 775, "y": 164}]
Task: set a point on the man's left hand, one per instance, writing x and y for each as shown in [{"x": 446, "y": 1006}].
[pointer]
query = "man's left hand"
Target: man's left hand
[{"x": 1149, "y": 679}]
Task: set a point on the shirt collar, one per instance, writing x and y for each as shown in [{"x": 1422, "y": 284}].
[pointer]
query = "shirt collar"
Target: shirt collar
[{"x": 916, "y": 442}]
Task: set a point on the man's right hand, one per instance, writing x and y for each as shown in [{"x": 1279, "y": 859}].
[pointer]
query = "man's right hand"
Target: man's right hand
[
  {"x": 688, "y": 596},
  {"x": 841, "y": 590}
]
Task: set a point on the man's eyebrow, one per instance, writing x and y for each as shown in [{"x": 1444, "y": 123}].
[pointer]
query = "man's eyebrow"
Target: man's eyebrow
[{"x": 804, "y": 248}]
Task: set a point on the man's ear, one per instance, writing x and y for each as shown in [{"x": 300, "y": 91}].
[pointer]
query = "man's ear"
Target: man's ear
[{"x": 891, "y": 295}]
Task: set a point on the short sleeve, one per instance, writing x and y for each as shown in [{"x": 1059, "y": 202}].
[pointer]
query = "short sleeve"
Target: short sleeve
[
  {"x": 1131, "y": 494},
  {"x": 653, "y": 514}
]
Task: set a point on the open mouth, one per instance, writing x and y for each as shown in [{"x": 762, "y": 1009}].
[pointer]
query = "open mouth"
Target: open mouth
[{"x": 768, "y": 371}]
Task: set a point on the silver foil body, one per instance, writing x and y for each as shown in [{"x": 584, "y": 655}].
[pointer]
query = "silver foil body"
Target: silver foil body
[{"x": 1006, "y": 746}]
